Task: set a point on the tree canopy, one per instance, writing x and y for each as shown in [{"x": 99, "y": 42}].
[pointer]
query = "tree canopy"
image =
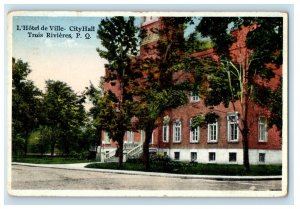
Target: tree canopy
[
  {"x": 118, "y": 37},
  {"x": 236, "y": 76},
  {"x": 26, "y": 106},
  {"x": 65, "y": 115}
]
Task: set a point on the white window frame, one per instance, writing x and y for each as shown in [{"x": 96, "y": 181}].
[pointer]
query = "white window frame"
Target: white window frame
[
  {"x": 177, "y": 132},
  {"x": 106, "y": 139},
  {"x": 143, "y": 135},
  {"x": 229, "y": 123},
  {"x": 196, "y": 130},
  {"x": 264, "y": 154},
  {"x": 229, "y": 157},
  {"x": 262, "y": 129},
  {"x": 215, "y": 157},
  {"x": 192, "y": 159},
  {"x": 130, "y": 137},
  {"x": 151, "y": 18},
  {"x": 194, "y": 97},
  {"x": 209, "y": 136},
  {"x": 165, "y": 133},
  {"x": 152, "y": 138},
  {"x": 178, "y": 155}
]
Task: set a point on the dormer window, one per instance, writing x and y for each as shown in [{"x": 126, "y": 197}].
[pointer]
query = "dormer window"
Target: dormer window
[
  {"x": 148, "y": 19},
  {"x": 194, "y": 97}
]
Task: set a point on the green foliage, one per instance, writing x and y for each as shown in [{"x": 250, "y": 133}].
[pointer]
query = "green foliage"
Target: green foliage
[
  {"x": 18, "y": 145},
  {"x": 196, "y": 43},
  {"x": 65, "y": 116},
  {"x": 45, "y": 159},
  {"x": 265, "y": 41},
  {"x": 113, "y": 117},
  {"x": 211, "y": 117},
  {"x": 273, "y": 100},
  {"x": 46, "y": 122},
  {"x": 276, "y": 108},
  {"x": 198, "y": 121},
  {"x": 216, "y": 28},
  {"x": 237, "y": 81},
  {"x": 203, "y": 120},
  {"x": 35, "y": 144},
  {"x": 166, "y": 166},
  {"x": 118, "y": 37},
  {"x": 26, "y": 106},
  {"x": 93, "y": 127}
]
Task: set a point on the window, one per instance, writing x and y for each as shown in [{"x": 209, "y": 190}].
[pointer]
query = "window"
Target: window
[
  {"x": 130, "y": 136},
  {"x": 176, "y": 155},
  {"x": 151, "y": 140},
  {"x": 194, "y": 97},
  {"x": 151, "y": 18},
  {"x": 261, "y": 157},
  {"x": 193, "y": 156},
  {"x": 212, "y": 135},
  {"x": 165, "y": 135},
  {"x": 106, "y": 138},
  {"x": 177, "y": 131},
  {"x": 212, "y": 156},
  {"x": 262, "y": 129},
  {"x": 232, "y": 127},
  {"x": 232, "y": 156},
  {"x": 143, "y": 136},
  {"x": 194, "y": 133}
]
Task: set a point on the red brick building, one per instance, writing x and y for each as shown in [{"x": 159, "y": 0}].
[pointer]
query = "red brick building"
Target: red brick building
[{"x": 218, "y": 142}]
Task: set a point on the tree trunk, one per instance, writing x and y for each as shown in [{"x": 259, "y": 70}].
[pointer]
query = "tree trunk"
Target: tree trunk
[
  {"x": 26, "y": 145},
  {"x": 52, "y": 149},
  {"x": 120, "y": 143},
  {"x": 146, "y": 154},
  {"x": 245, "y": 134},
  {"x": 245, "y": 130}
]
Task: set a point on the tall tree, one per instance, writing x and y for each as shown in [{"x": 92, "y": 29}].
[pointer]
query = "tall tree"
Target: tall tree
[
  {"x": 154, "y": 86},
  {"x": 118, "y": 37},
  {"x": 235, "y": 78},
  {"x": 94, "y": 95},
  {"x": 26, "y": 106},
  {"x": 65, "y": 115}
]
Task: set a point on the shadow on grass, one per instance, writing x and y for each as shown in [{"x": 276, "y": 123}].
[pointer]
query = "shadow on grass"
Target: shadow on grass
[
  {"x": 50, "y": 160},
  {"x": 195, "y": 168}
]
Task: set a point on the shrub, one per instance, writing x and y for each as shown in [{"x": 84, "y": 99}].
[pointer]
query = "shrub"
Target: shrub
[{"x": 135, "y": 160}]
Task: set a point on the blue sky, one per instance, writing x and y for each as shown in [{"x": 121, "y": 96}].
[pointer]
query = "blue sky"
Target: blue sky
[{"x": 74, "y": 61}]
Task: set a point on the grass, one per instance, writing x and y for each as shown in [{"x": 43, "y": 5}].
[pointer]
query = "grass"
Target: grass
[
  {"x": 162, "y": 166},
  {"x": 50, "y": 160},
  {"x": 195, "y": 168}
]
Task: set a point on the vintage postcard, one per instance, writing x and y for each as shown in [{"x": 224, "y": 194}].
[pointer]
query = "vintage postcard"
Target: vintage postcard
[{"x": 148, "y": 104}]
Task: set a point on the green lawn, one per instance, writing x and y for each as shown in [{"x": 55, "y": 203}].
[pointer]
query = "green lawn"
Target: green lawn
[
  {"x": 195, "y": 168},
  {"x": 49, "y": 160}
]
